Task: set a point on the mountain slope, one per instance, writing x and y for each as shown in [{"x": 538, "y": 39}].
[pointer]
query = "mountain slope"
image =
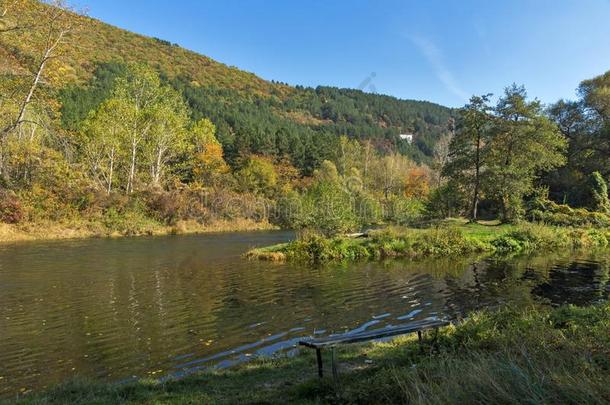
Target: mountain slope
[
  {"x": 95, "y": 41},
  {"x": 252, "y": 115}
]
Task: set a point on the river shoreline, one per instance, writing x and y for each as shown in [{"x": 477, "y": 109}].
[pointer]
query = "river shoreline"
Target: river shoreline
[
  {"x": 449, "y": 239},
  {"x": 514, "y": 355},
  {"x": 47, "y": 231}
]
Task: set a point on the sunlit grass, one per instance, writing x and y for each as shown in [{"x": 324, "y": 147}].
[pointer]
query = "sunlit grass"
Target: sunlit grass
[{"x": 448, "y": 238}]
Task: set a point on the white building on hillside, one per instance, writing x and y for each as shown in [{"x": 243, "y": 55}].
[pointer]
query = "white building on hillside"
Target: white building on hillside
[{"x": 406, "y": 137}]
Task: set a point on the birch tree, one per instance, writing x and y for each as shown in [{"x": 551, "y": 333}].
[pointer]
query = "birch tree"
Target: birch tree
[
  {"x": 54, "y": 24},
  {"x": 389, "y": 173},
  {"x": 167, "y": 135},
  {"x": 101, "y": 148},
  {"x": 138, "y": 92},
  {"x": 48, "y": 30}
]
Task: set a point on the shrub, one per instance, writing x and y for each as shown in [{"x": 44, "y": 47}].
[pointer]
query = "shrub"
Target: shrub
[
  {"x": 129, "y": 223},
  {"x": 551, "y": 213},
  {"x": 598, "y": 190},
  {"x": 402, "y": 211},
  {"x": 11, "y": 211}
]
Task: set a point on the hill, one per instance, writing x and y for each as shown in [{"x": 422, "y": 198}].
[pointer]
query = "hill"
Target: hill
[{"x": 252, "y": 115}]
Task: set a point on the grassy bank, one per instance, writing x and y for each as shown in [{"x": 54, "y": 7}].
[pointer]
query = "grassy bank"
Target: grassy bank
[
  {"x": 447, "y": 239},
  {"x": 93, "y": 229},
  {"x": 510, "y": 356}
]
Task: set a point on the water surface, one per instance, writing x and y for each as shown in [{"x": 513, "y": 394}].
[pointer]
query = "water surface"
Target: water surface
[{"x": 115, "y": 309}]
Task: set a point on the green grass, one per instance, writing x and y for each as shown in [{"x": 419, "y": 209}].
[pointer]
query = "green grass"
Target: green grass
[
  {"x": 450, "y": 238},
  {"x": 529, "y": 355}
]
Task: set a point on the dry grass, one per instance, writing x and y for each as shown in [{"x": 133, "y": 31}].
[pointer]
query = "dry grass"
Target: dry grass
[{"x": 80, "y": 230}]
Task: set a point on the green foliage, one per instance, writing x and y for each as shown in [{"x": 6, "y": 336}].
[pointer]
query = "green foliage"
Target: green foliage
[
  {"x": 599, "y": 193},
  {"x": 445, "y": 201},
  {"x": 136, "y": 132},
  {"x": 584, "y": 122},
  {"x": 524, "y": 144},
  {"x": 541, "y": 209},
  {"x": 403, "y": 211},
  {"x": 327, "y": 206},
  {"x": 132, "y": 221},
  {"x": 78, "y": 101},
  {"x": 110, "y": 123},
  {"x": 257, "y": 176},
  {"x": 317, "y": 249},
  {"x": 469, "y": 150},
  {"x": 499, "y": 153},
  {"x": 441, "y": 241}
]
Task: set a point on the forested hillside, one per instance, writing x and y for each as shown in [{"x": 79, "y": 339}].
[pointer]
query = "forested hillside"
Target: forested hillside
[
  {"x": 252, "y": 115},
  {"x": 107, "y": 131}
]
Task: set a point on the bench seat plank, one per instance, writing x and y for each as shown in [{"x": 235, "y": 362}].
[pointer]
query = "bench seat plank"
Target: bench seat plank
[{"x": 373, "y": 334}]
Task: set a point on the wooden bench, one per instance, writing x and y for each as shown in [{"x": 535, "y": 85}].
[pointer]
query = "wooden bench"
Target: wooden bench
[{"x": 335, "y": 340}]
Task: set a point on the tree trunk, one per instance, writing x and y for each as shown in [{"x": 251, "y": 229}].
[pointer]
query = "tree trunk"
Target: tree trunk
[
  {"x": 157, "y": 167},
  {"x": 132, "y": 169},
  {"x": 37, "y": 77},
  {"x": 475, "y": 198},
  {"x": 111, "y": 171}
]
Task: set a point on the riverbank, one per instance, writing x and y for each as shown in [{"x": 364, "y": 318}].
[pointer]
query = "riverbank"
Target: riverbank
[
  {"x": 92, "y": 229},
  {"x": 530, "y": 355},
  {"x": 447, "y": 239}
]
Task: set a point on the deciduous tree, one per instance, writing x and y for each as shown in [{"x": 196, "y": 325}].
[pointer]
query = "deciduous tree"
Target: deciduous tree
[
  {"x": 468, "y": 150},
  {"x": 524, "y": 144}
]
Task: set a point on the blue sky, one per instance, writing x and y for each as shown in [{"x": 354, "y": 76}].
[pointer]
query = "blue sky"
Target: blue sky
[{"x": 442, "y": 51}]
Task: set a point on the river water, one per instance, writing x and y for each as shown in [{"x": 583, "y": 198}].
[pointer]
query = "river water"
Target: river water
[{"x": 119, "y": 309}]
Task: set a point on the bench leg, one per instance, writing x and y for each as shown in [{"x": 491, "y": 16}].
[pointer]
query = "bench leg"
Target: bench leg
[
  {"x": 319, "y": 359},
  {"x": 334, "y": 365},
  {"x": 435, "y": 340}
]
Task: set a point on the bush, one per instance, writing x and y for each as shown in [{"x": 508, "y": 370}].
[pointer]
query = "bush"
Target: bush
[
  {"x": 11, "y": 211},
  {"x": 130, "y": 222},
  {"x": 317, "y": 249},
  {"x": 403, "y": 211},
  {"x": 167, "y": 206},
  {"x": 540, "y": 209},
  {"x": 598, "y": 190},
  {"x": 445, "y": 201}
]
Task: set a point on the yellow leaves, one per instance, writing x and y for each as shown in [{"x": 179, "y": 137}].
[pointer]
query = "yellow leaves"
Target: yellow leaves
[
  {"x": 60, "y": 73},
  {"x": 258, "y": 175},
  {"x": 416, "y": 183},
  {"x": 210, "y": 159},
  {"x": 209, "y": 164}
]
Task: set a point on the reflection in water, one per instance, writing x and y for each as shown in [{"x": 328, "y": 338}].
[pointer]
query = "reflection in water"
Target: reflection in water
[{"x": 118, "y": 309}]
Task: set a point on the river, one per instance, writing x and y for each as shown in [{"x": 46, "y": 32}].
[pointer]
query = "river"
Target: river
[{"x": 120, "y": 309}]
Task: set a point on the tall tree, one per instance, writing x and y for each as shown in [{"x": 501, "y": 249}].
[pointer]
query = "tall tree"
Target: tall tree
[
  {"x": 148, "y": 119},
  {"x": 524, "y": 144},
  {"x": 101, "y": 142},
  {"x": 468, "y": 149},
  {"x": 206, "y": 159},
  {"x": 138, "y": 93},
  {"x": 47, "y": 33},
  {"x": 53, "y": 25},
  {"x": 389, "y": 173},
  {"x": 167, "y": 136}
]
